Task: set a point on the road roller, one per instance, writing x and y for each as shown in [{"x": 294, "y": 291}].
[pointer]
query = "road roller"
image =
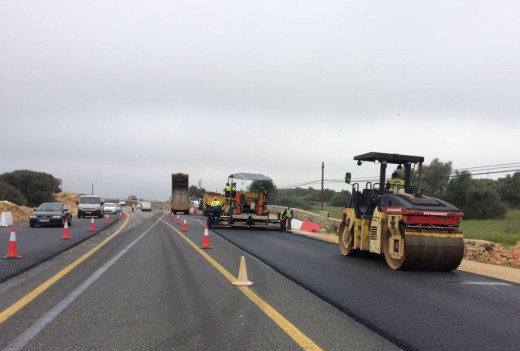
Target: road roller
[{"x": 413, "y": 231}]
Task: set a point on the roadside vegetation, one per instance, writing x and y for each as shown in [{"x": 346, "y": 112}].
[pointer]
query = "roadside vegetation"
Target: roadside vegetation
[{"x": 505, "y": 230}]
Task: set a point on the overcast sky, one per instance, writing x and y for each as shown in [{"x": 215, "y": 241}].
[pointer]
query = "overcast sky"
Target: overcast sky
[{"x": 121, "y": 94}]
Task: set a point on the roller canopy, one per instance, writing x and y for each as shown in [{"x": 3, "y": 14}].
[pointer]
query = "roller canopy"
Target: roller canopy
[
  {"x": 250, "y": 176},
  {"x": 389, "y": 158}
]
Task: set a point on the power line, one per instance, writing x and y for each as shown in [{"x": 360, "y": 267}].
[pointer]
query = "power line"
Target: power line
[{"x": 473, "y": 171}]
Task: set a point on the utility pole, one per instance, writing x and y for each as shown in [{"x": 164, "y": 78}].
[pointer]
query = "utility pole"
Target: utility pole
[
  {"x": 92, "y": 188},
  {"x": 322, "y": 172}
]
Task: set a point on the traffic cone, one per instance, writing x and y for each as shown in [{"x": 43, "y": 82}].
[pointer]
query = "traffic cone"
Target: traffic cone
[
  {"x": 65, "y": 230},
  {"x": 120, "y": 216},
  {"x": 205, "y": 241},
  {"x": 107, "y": 220},
  {"x": 92, "y": 225},
  {"x": 178, "y": 220},
  {"x": 185, "y": 226},
  {"x": 124, "y": 214},
  {"x": 12, "y": 251},
  {"x": 242, "y": 274}
]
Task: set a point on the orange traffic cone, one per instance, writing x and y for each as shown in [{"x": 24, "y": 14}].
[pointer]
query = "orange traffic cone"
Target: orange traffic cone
[
  {"x": 178, "y": 220},
  {"x": 65, "y": 230},
  {"x": 124, "y": 214},
  {"x": 242, "y": 274},
  {"x": 92, "y": 225},
  {"x": 107, "y": 220},
  {"x": 12, "y": 251},
  {"x": 205, "y": 241},
  {"x": 185, "y": 226},
  {"x": 120, "y": 216}
]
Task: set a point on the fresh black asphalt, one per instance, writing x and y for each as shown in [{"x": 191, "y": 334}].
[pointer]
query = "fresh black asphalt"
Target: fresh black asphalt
[{"x": 414, "y": 310}]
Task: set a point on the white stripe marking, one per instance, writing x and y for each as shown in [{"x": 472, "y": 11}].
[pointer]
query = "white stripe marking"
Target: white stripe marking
[{"x": 486, "y": 283}]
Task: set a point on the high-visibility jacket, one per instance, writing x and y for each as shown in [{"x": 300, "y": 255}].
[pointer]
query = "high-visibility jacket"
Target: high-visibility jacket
[
  {"x": 227, "y": 188},
  {"x": 283, "y": 215},
  {"x": 290, "y": 214},
  {"x": 394, "y": 183},
  {"x": 215, "y": 203}
]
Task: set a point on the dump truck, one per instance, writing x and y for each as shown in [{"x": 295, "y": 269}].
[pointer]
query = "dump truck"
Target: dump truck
[
  {"x": 180, "y": 201},
  {"x": 245, "y": 208},
  {"x": 412, "y": 230}
]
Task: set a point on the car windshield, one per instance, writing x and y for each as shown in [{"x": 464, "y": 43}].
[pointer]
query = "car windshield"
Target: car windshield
[
  {"x": 110, "y": 205},
  {"x": 49, "y": 207},
  {"x": 89, "y": 200}
]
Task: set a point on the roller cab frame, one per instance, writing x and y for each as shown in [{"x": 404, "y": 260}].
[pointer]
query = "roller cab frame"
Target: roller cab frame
[
  {"x": 244, "y": 208},
  {"x": 411, "y": 230}
]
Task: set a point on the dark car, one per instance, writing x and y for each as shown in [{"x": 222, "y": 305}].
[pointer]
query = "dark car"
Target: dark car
[{"x": 51, "y": 213}]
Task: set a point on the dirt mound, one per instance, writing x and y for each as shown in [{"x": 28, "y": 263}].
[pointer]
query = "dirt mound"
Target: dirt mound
[
  {"x": 20, "y": 213},
  {"x": 69, "y": 199}
]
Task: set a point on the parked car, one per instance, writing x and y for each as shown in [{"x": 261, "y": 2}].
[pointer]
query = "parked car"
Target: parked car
[
  {"x": 51, "y": 213},
  {"x": 109, "y": 207},
  {"x": 118, "y": 208}
]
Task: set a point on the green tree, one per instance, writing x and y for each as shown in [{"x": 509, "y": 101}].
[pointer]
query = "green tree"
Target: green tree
[
  {"x": 436, "y": 177},
  {"x": 477, "y": 198},
  {"x": 262, "y": 186},
  {"x": 508, "y": 189},
  {"x": 11, "y": 194},
  {"x": 36, "y": 187},
  {"x": 340, "y": 198},
  {"x": 196, "y": 191}
]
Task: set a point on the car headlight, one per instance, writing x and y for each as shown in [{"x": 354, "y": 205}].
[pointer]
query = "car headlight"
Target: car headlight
[{"x": 33, "y": 216}]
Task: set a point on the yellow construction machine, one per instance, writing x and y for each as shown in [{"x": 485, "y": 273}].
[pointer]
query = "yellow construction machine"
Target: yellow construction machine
[
  {"x": 411, "y": 230},
  {"x": 208, "y": 198},
  {"x": 245, "y": 208}
]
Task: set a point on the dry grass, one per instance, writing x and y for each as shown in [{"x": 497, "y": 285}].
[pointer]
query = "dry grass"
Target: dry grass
[{"x": 20, "y": 213}]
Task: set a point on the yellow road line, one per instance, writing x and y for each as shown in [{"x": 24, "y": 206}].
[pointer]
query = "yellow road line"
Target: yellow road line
[
  {"x": 11, "y": 310},
  {"x": 289, "y": 328}
]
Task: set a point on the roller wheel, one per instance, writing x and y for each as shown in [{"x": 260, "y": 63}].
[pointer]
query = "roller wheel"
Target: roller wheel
[
  {"x": 346, "y": 238},
  {"x": 393, "y": 263}
]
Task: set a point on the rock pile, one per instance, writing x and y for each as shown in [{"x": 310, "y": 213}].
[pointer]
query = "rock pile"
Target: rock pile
[{"x": 490, "y": 252}]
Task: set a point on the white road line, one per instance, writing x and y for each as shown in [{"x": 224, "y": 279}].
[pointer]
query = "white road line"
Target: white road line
[
  {"x": 487, "y": 283},
  {"x": 23, "y": 339}
]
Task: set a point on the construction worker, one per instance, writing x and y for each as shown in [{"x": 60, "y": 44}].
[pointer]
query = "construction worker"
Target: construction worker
[
  {"x": 283, "y": 218},
  {"x": 133, "y": 207},
  {"x": 290, "y": 216},
  {"x": 394, "y": 183},
  {"x": 227, "y": 190},
  {"x": 215, "y": 211}
]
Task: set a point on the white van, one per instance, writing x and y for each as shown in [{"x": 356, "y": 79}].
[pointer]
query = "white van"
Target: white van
[
  {"x": 146, "y": 206},
  {"x": 90, "y": 205}
]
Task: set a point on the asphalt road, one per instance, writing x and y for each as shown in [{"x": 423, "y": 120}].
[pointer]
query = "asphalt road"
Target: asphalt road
[
  {"x": 144, "y": 284},
  {"x": 415, "y": 310},
  {"x": 44, "y": 242}
]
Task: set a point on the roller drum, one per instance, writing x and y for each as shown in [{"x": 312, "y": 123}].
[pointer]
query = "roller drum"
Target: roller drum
[{"x": 432, "y": 253}]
